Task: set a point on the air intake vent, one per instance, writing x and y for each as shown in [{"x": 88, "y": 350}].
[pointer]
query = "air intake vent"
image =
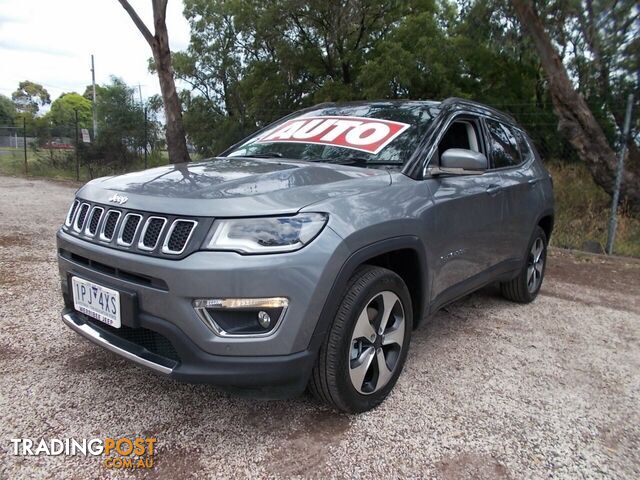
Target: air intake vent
[
  {"x": 109, "y": 225},
  {"x": 151, "y": 233},
  {"x": 129, "y": 229},
  {"x": 94, "y": 221},
  {"x": 178, "y": 236},
  {"x": 82, "y": 216}
]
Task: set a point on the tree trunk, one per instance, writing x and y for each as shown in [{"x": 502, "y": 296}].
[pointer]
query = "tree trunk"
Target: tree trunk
[
  {"x": 159, "y": 43},
  {"x": 176, "y": 138},
  {"x": 575, "y": 120}
]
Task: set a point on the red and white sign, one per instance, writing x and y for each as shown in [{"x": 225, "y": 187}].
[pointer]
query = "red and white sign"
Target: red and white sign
[{"x": 369, "y": 135}]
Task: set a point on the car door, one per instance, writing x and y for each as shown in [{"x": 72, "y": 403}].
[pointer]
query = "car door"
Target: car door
[
  {"x": 468, "y": 214},
  {"x": 522, "y": 193}
]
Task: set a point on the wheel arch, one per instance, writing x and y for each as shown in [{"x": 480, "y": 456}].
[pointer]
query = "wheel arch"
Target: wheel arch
[{"x": 403, "y": 255}]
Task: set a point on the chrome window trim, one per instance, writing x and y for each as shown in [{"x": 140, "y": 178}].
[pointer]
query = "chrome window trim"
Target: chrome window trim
[
  {"x": 78, "y": 228},
  {"x": 165, "y": 245},
  {"x": 141, "y": 244},
  {"x": 101, "y": 236},
  {"x": 119, "y": 240},
  {"x": 88, "y": 224}
]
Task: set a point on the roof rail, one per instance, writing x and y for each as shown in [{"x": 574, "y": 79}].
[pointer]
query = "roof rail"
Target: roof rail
[{"x": 464, "y": 101}]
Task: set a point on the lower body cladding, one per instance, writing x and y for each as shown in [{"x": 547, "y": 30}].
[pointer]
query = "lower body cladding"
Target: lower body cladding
[{"x": 245, "y": 322}]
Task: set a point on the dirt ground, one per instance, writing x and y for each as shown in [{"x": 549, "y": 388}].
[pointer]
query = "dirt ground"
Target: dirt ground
[{"x": 490, "y": 389}]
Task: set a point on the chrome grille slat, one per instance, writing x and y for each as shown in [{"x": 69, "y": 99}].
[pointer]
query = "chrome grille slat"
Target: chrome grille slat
[
  {"x": 72, "y": 212},
  {"x": 109, "y": 225},
  {"x": 177, "y": 237},
  {"x": 151, "y": 233},
  {"x": 128, "y": 229},
  {"x": 81, "y": 217},
  {"x": 134, "y": 231},
  {"x": 94, "y": 221}
]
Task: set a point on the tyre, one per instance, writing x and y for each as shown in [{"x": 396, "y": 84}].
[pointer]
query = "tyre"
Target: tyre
[
  {"x": 525, "y": 287},
  {"x": 367, "y": 343}
]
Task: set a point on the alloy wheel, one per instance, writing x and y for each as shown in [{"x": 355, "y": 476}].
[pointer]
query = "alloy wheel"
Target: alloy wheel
[
  {"x": 535, "y": 265},
  {"x": 376, "y": 343}
]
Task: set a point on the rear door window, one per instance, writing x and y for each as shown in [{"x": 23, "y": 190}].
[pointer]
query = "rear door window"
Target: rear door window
[{"x": 504, "y": 147}]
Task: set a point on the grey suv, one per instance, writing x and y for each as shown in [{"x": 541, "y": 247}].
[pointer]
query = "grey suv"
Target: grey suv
[{"x": 306, "y": 254}]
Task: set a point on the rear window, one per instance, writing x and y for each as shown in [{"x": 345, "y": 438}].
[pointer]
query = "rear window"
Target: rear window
[
  {"x": 384, "y": 133},
  {"x": 504, "y": 147}
]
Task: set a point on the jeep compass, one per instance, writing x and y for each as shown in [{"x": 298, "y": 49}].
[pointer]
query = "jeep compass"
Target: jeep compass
[{"x": 305, "y": 255}]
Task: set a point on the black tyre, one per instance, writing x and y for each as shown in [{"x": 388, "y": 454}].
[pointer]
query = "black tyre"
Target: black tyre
[
  {"x": 525, "y": 287},
  {"x": 367, "y": 344}
]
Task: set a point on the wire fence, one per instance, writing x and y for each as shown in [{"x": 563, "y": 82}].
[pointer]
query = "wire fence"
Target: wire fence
[{"x": 72, "y": 151}]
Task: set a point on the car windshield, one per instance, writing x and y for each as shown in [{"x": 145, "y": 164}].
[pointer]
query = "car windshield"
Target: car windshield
[{"x": 368, "y": 134}]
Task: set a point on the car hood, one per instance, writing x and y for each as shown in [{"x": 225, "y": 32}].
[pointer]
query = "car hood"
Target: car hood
[{"x": 226, "y": 187}]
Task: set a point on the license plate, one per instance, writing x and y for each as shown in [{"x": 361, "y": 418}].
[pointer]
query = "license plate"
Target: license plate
[{"x": 96, "y": 301}]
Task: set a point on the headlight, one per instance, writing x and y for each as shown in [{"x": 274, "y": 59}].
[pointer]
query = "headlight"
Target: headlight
[{"x": 265, "y": 234}]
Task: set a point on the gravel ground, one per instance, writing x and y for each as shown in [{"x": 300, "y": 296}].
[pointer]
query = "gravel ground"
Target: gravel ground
[{"x": 490, "y": 389}]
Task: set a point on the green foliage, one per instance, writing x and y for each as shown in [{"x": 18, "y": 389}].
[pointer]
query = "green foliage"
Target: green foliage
[
  {"x": 251, "y": 62},
  {"x": 30, "y": 96},
  {"x": 7, "y": 111},
  {"x": 62, "y": 115}
]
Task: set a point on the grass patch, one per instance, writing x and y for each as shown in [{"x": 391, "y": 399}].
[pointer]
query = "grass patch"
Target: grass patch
[{"x": 583, "y": 210}]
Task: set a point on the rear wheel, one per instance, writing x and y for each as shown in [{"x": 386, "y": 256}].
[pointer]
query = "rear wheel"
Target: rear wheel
[
  {"x": 367, "y": 343},
  {"x": 525, "y": 287}
]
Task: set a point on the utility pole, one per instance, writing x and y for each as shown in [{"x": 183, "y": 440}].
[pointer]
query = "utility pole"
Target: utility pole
[
  {"x": 24, "y": 141},
  {"x": 613, "y": 221},
  {"x": 146, "y": 139},
  {"x": 77, "y": 148},
  {"x": 95, "y": 113}
]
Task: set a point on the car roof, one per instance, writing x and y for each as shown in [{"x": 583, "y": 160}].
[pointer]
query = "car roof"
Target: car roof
[{"x": 451, "y": 102}]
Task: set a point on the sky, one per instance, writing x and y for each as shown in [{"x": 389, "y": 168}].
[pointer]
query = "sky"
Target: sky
[{"x": 51, "y": 41}]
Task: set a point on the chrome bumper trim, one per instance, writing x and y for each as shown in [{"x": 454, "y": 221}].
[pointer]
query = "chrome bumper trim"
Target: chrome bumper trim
[{"x": 97, "y": 337}]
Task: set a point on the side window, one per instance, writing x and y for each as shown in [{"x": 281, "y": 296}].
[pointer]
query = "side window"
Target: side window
[
  {"x": 504, "y": 148},
  {"x": 460, "y": 134},
  {"x": 524, "y": 146}
]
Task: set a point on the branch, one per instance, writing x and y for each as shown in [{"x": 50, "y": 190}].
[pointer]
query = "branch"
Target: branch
[{"x": 138, "y": 21}]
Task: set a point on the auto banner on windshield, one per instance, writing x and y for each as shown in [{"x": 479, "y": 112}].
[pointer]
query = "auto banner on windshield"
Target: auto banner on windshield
[{"x": 369, "y": 135}]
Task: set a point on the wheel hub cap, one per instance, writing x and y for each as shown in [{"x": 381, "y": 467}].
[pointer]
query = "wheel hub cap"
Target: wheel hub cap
[
  {"x": 376, "y": 343},
  {"x": 535, "y": 265}
]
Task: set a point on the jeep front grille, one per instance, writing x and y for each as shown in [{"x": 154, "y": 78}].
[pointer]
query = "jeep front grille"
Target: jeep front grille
[{"x": 150, "y": 234}]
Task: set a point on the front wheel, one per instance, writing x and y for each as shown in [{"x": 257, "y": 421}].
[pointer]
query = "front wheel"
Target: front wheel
[
  {"x": 525, "y": 287},
  {"x": 367, "y": 344}
]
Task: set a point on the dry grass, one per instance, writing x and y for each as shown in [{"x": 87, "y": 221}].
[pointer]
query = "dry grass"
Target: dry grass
[{"x": 583, "y": 209}]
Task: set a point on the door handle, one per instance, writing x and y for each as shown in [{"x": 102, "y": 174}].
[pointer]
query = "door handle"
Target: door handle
[
  {"x": 533, "y": 182},
  {"x": 494, "y": 189}
]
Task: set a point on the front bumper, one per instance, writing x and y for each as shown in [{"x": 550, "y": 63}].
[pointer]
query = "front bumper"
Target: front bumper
[
  {"x": 277, "y": 375},
  {"x": 160, "y": 294}
]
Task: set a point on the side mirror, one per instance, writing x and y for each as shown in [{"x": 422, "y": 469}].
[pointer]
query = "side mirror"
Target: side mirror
[{"x": 459, "y": 161}]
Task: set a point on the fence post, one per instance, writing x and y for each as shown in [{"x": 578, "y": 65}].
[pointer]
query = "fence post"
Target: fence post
[
  {"x": 24, "y": 141},
  {"x": 146, "y": 141},
  {"x": 613, "y": 221},
  {"x": 77, "y": 149}
]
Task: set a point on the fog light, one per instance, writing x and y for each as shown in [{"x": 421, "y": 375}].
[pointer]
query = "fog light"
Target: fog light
[
  {"x": 242, "y": 316},
  {"x": 264, "y": 319}
]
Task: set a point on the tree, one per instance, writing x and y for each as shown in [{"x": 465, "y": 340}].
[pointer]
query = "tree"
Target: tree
[
  {"x": 63, "y": 112},
  {"x": 159, "y": 43},
  {"x": 30, "y": 96},
  {"x": 7, "y": 111},
  {"x": 576, "y": 120}
]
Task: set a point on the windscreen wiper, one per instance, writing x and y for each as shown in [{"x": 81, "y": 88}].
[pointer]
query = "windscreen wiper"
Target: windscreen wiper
[{"x": 264, "y": 155}]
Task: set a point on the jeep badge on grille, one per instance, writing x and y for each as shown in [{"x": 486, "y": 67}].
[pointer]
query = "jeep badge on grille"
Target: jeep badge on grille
[{"x": 119, "y": 199}]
